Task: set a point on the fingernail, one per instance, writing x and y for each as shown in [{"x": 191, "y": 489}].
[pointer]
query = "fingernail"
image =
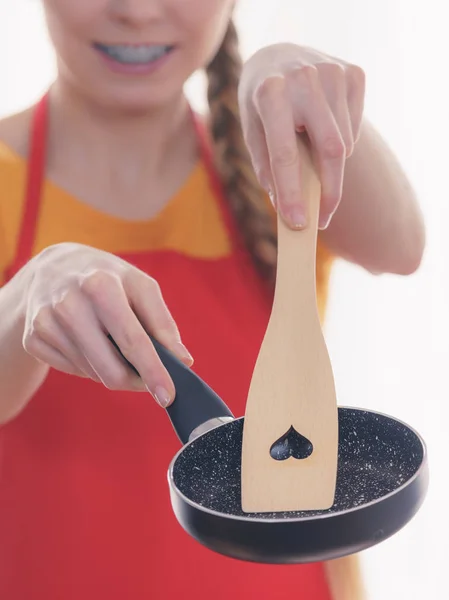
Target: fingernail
[
  {"x": 272, "y": 197},
  {"x": 184, "y": 354},
  {"x": 295, "y": 217},
  {"x": 323, "y": 223},
  {"x": 161, "y": 396}
]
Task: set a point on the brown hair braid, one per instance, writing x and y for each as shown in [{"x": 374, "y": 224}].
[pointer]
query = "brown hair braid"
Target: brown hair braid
[{"x": 246, "y": 198}]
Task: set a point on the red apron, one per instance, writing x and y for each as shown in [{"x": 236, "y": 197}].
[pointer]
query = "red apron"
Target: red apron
[{"x": 85, "y": 512}]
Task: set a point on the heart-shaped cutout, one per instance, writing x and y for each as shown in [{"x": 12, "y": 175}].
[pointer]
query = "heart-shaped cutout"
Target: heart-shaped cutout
[{"x": 291, "y": 444}]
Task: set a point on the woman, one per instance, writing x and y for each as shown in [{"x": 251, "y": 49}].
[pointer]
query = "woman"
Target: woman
[{"x": 121, "y": 212}]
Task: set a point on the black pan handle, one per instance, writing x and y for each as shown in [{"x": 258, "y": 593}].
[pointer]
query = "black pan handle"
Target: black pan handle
[{"x": 195, "y": 402}]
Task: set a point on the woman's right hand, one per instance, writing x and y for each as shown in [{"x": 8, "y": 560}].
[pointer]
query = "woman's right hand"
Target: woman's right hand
[{"x": 77, "y": 295}]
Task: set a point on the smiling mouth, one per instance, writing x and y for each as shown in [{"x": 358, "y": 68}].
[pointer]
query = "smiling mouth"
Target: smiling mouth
[{"x": 133, "y": 55}]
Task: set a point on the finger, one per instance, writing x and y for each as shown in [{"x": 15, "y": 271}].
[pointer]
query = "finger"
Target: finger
[
  {"x": 112, "y": 308},
  {"x": 74, "y": 313},
  {"x": 50, "y": 356},
  {"x": 146, "y": 300},
  {"x": 45, "y": 327},
  {"x": 326, "y": 142},
  {"x": 254, "y": 136},
  {"x": 355, "y": 90},
  {"x": 333, "y": 81},
  {"x": 276, "y": 115}
]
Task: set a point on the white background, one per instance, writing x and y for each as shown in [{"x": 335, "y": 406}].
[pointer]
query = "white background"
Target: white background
[{"x": 388, "y": 336}]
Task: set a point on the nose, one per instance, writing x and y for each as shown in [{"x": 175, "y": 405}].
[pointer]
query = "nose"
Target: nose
[{"x": 136, "y": 12}]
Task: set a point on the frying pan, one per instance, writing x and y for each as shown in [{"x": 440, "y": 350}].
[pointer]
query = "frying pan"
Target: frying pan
[
  {"x": 373, "y": 475},
  {"x": 382, "y": 480}
]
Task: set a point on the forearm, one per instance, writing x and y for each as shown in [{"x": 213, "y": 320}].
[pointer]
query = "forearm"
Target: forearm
[
  {"x": 20, "y": 374},
  {"x": 378, "y": 224}
]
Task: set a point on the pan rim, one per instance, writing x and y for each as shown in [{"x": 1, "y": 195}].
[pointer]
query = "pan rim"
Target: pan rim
[{"x": 325, "y": 515}]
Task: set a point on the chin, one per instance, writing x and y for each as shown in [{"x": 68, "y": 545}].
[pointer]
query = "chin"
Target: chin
[{"x": 137, "y": 98}]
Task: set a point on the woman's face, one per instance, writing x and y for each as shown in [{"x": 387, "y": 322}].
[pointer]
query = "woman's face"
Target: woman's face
[{"x": 134, "y": 54}]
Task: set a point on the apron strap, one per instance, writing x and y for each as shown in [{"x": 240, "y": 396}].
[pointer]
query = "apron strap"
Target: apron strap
[{"x": 205, "y": 149}]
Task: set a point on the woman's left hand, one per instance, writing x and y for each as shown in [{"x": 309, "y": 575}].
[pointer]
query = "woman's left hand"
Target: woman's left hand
[{"x": 287, "y": 89}]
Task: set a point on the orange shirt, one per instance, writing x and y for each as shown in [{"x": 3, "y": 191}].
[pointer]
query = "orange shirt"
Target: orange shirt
[{"x": 84, "y": 506}]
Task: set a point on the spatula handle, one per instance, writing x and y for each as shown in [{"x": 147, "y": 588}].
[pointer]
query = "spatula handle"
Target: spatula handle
[{"x": 296, "y": 267}]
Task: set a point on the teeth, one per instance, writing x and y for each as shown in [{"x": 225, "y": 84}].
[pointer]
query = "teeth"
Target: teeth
[{"x": 134, "y": 54}]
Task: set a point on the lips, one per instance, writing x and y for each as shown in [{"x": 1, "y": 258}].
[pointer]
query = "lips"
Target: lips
[{"x": 133, "y": 55}]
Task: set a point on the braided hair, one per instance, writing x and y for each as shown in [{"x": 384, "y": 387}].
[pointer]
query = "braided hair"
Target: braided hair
[{"x": 246, "y": 198}]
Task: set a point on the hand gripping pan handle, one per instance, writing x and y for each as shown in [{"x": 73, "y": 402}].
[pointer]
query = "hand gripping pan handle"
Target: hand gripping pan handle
[{"x": 195, "y": 403}]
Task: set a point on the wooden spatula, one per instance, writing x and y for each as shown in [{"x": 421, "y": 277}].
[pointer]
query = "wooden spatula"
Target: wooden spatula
[{"x": 290, "y": 434}]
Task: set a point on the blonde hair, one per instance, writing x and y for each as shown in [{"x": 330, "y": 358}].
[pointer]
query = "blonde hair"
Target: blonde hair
[{"x": 251, "y": 212}]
